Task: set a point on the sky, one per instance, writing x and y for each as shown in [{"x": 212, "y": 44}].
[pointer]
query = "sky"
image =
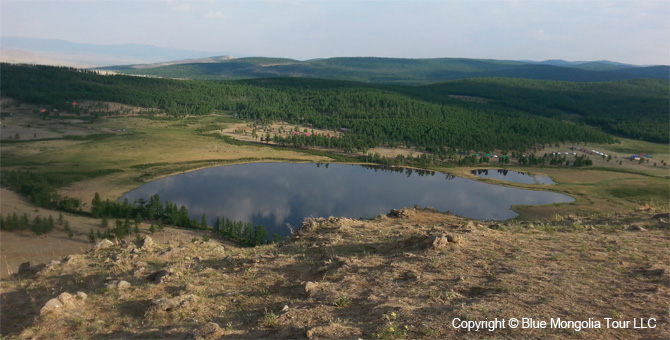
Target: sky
[{"x": 636, "y": 32}]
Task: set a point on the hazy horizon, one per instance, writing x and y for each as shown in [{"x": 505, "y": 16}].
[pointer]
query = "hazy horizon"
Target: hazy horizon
[{"x": 631, "y": 32}]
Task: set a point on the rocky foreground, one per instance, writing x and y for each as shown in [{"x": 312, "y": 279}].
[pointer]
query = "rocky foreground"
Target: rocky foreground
[{"x": 415, "y": 273}]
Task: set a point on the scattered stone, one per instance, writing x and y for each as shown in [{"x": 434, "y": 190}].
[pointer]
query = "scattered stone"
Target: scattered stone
[
  {"x": 399, "y": 213},
  {"x": 494, "y": 226},
  {"x": 169, "y": 304},
  {"x": 146, "y": 243},
  {"x": 636, "y": 227},
  {"x": 160, "y": 276},
  {"x": 49, "y": 267},
  {"x": 61, "y": 302},
  {"x": 169, "y": 252},
  {"x": 53, "y": 305},
  {"x": 311, "y": 287},
  {"x": 662, "y": 216},
  {"x": 285, "y": 309},
  {"x": 442, "y": 241},
  {"x": 208, "y": 331},
  {"x": 411, "y": 275},
  {"x": 24, "y": 268},
  {"x": 469, "y": 227},
  {"x": 104, "y": 244},
  {"x": 426, "y": 241},
  {"x": 72, "y": 258},
  {"x": 118, "y": 284}
]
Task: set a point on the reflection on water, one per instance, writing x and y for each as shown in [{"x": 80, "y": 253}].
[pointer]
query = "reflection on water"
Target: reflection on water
[
  {"x": 272, "y": 194},
  {"x": 512, "y": 176}
]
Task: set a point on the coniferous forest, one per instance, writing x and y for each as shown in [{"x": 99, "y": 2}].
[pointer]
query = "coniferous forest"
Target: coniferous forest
[{"x": 509, "y": 114}]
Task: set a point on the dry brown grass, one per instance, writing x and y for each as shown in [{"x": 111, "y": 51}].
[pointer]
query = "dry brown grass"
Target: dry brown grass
[
  {"x": 369, "y": 279},
  {"x": 24, "y": 246}
]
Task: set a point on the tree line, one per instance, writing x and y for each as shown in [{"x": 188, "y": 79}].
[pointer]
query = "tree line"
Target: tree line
[
  {"x": 372, "y": 115},
  {"x": 169, "y": 213}
]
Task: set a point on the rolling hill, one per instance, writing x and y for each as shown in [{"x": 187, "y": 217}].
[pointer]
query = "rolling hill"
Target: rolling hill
[
  {"x": 394, "y": 70},
  {"x": 507, "y": 113}
]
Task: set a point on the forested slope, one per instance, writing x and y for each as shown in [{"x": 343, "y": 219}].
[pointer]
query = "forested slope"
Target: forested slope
[
  {"x": 638, "y": 109},
  {"x": 423, "y": 117}
]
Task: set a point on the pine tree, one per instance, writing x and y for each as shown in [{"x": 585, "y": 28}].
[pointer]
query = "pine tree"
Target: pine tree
[{"x": 91, "y": 236}]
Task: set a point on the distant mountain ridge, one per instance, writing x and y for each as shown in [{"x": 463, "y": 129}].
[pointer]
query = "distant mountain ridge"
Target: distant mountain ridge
[
  {"x": 395, "y": 70},
  {"x": 187, "y": 64},
  {"x": 61, "y": 52}
]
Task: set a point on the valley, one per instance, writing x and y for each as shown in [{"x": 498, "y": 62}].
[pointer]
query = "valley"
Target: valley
[{"x": 338, "y": 277}]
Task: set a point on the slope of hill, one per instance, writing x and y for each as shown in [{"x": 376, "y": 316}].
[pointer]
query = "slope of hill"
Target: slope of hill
[
  {"x": 414, "y": 274},
  {"x": 426, "y": 116},
  {"x": 633, "y": 108},
  {"x": 396, "y": 70},
  {"x": 373, "y": 115}
]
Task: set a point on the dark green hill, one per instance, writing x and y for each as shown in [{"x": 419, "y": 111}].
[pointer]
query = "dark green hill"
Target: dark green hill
[
  {"x": 638, "y": 108},
  {"x": 398, "y": 71},
  {"x": 498, "y": 113}
]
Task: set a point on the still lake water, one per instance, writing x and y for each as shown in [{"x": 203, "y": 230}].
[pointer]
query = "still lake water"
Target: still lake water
[
  {"x": 273, "y": 194},
  {"x": 513, "y": 176}
]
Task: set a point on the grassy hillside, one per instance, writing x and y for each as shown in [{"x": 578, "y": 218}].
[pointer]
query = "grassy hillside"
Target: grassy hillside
[
  {"x": 396, "y": 70},
  {"x": 407, "y": 277}
]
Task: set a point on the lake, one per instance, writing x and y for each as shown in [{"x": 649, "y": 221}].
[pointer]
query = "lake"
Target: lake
[
  {"x": 273, "y": 194},
  {"x": 513, "y": 176}
]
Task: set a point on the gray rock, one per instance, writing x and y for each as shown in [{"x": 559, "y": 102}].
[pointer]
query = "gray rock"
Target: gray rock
[
  {"x": 118, "y": 284},
  {"x": 61, "y": 302},
  {"x": 442, "y": 241},
  {"x": 24, "y": 268},
  {"x": 53, "y": 305},
  {"x": 169, "y": 304},
  {"x": 146, "y": 243},
  {"x": 159, "y": 276},
  {"x": 398, "y": 213},
  {"x": 104, "y": 244}
]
